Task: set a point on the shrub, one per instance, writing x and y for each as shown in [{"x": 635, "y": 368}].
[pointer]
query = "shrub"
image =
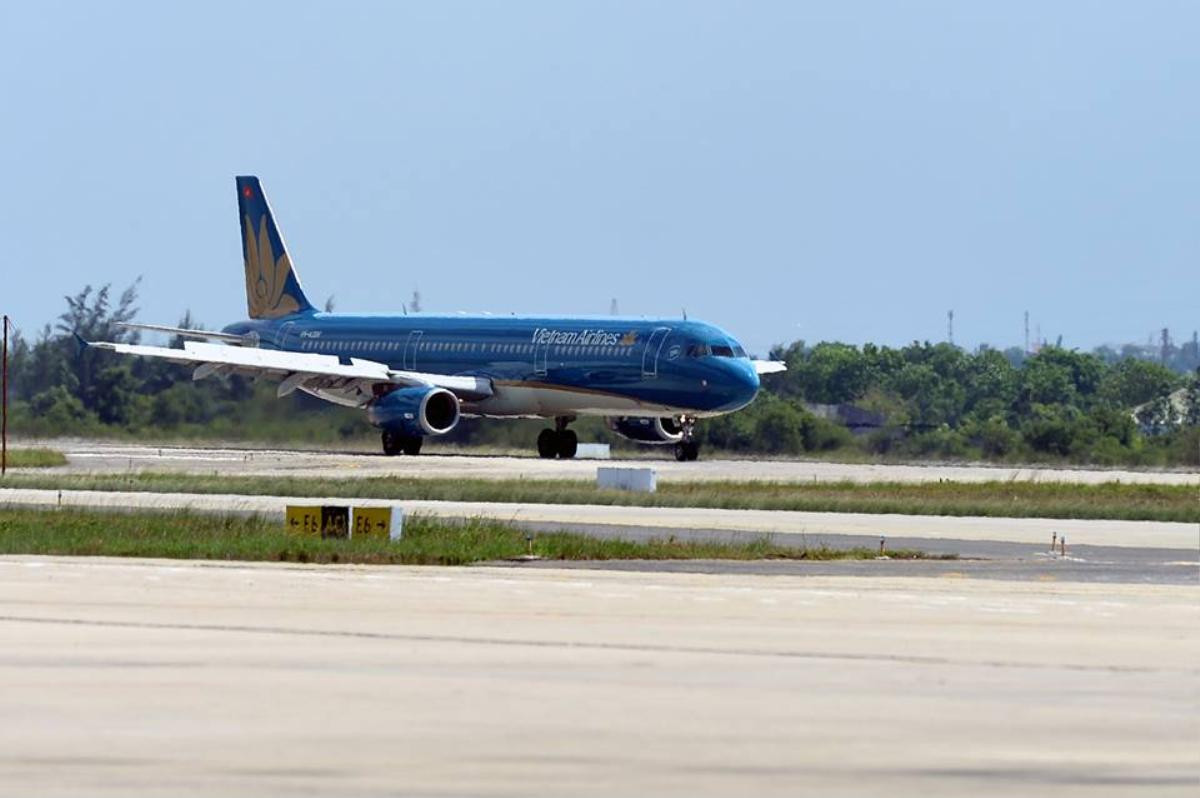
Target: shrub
[{"x": 994, "y": 437}]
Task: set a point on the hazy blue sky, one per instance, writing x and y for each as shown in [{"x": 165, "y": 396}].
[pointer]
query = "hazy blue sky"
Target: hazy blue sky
[{"x": 787, "y": 170}]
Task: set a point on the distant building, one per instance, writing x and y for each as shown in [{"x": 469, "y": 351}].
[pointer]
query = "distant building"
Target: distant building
[{"x": 1164, "y": 413}]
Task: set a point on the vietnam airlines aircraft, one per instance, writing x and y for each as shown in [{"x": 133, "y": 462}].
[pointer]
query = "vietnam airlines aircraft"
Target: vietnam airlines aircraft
[{"x": 416, "y": 375}]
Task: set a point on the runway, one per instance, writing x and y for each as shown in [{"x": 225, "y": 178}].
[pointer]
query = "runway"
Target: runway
[
  {"x": 177, "y": 678},
  {"x": 107, "y": 457}
]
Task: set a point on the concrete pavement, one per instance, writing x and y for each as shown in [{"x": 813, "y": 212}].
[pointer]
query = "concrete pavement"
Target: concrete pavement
[
  {"x": 109, "y": 456},
  {"x": 171, "y": 678}
]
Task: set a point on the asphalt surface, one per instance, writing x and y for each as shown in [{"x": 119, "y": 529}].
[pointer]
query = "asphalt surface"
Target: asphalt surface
[
  {"x": 108, "y": 457},
  {"x": 172, "y": 678},
  {"x": 980, "y": 559}
]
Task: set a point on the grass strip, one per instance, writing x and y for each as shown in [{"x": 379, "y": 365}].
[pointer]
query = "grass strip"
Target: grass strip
[
  {"x": 426, "y": 541},
  {"x": 35, "y": 458},
  {"x": 1011, "y": 499}
]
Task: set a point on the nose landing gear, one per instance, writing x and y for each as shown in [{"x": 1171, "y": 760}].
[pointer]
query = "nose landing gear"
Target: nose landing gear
[
  {"x": 687, "y": 449},
  {"x": 558, "y": 442}
]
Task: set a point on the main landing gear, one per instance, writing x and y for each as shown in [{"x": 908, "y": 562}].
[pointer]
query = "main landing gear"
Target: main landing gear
[
  {"x": 395, "y": 442},
  {"x": 687, "y": 449},
  {"x": 558, "y": 442}
]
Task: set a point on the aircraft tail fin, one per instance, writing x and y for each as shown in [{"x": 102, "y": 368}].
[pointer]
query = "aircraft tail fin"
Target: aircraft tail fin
[{"x": 272, "y": 287}]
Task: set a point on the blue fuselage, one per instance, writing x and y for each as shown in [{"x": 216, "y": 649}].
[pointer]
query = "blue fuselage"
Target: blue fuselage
[{"x": 541, "y": 366}]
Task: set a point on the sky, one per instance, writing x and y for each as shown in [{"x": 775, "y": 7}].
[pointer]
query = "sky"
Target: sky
[{"x": 816, "y": 171}]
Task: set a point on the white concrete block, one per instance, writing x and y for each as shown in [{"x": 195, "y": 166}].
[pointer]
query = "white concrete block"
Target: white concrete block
[
  {"x": 593, "y": 451},
  {"x": 642, "y": 480}
]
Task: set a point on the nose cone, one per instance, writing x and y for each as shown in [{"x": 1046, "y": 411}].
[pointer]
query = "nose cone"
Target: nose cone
[{"x": 741, "y": 381}]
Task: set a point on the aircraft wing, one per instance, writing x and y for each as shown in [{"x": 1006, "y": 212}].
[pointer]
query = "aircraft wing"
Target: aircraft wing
[
  {"x": 769, "y": 366},
  {"x": 300, "y": 369}
]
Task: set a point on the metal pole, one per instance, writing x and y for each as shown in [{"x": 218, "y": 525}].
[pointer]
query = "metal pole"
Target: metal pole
[{"x": 4, "y": 390}]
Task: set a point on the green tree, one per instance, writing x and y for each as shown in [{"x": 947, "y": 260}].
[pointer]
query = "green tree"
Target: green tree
[
  {"x": 832, "y": 373},
  {"x": 1050, "y": 429},
  {"x": 780, "y": 428},
  {"x": 1132, "y": 382}
]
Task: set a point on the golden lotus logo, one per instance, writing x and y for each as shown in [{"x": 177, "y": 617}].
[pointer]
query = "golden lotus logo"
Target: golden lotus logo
[
  {"x": 266, "y": 277},
  {"x": 629, "y": 339}
]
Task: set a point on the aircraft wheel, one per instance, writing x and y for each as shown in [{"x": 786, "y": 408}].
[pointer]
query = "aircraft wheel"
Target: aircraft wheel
[
  {"x": 391, "y": 443},
  {"x": 547, "y": 444},
  {"x": 412, "y": 445},
  {"x": 687, "y": 451},
  {"x": 568, "y": 444}
]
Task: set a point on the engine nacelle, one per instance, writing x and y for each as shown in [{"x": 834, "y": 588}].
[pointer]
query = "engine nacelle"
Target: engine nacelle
[
  {"x": 415, "y": 411},
  {"x": 647, "y": 430}
]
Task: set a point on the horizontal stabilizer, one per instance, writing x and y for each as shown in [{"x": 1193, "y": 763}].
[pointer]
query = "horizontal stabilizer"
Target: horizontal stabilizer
[{"x": 183, "y": 332}]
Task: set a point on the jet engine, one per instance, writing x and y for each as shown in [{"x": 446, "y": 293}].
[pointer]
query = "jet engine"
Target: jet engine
[
  {"x": 416, "y": 411},
  {"x": 647, "y": 430}
]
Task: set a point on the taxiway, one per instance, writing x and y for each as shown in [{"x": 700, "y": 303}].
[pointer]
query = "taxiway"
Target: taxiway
[{"x": 108, "y": 457}]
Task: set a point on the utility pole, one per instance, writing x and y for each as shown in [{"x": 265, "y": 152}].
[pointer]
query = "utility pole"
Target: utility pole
[
  {"x": 1166, "y": 345},
  {"x": 950, "y": 326},
  {"x": 4, "y": 390},
  {"x": 612, "y": 307},
  {"x": 1027, "y": 332}
]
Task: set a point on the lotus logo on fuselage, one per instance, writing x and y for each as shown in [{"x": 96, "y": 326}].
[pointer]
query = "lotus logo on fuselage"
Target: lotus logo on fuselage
[{"x": 543, "y": 335}]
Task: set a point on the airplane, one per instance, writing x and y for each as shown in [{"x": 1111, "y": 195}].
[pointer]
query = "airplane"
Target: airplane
[{"x": 417, "y": 374}]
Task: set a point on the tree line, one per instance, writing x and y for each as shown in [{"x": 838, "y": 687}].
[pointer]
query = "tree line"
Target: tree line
[{"x": 921, "y": 400}]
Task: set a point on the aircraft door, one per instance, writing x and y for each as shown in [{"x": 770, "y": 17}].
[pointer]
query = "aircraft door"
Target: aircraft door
[
  {"x": 541, "y": 353},
  {"x": 650, "y": 354},
  {"x": 410, "y": 350},
  {"x": 282, "y": 334}
]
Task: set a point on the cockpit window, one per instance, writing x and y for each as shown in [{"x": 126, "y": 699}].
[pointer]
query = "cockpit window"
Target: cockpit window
[{"x": 723, "y": 349}]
